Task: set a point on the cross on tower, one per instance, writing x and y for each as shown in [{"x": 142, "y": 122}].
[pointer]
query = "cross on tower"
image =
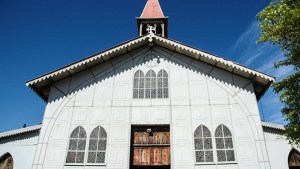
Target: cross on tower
[{"x": 151, "y": 29}]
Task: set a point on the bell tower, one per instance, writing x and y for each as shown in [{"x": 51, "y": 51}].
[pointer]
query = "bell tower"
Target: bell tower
[{"x": 153, "y": 17}]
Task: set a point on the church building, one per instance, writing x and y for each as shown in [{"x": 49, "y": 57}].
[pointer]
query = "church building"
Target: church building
[{"x": 150, "y": 103}]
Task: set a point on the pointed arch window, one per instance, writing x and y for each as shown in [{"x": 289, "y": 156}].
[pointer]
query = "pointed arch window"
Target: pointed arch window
[
  {"x": 97, "y": 145},
  {"x": 224, "y": 144},
  {"x": 203, "y": 145},
  {"x": 150, "y": 86},
  {"x": 162, "y": 84},
  {"x": 139, "y": 85},
  {"x": 294, "y": 159},
  {"x": 77, "y": 145},
  {"x": 6, "y": 161}
]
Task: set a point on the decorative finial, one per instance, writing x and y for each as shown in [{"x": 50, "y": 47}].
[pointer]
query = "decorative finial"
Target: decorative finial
[{"x": 151, "y": 29}]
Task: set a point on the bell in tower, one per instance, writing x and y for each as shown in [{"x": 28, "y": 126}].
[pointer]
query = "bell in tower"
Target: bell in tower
[{"x": 153, "y": 16}]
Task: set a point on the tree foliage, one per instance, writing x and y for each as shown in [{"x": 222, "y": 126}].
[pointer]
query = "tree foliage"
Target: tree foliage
[{"x": 280, "y": 24}]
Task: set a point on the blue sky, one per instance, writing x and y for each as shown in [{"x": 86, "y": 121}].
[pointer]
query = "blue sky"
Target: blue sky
[{"x": 39, "y": 36}]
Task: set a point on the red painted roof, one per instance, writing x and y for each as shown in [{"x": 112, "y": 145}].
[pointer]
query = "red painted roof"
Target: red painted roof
[{"x": 152, "y": 10}]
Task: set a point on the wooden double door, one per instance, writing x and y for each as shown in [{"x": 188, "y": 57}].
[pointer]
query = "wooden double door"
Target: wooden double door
[{"x": 150, "y": 147}]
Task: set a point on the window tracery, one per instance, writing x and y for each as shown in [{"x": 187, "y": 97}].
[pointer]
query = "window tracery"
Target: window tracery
[
  {"x": 224, "y": 144},
  {"x": 97, "y": 145},
  {"x": 150, "y": 86},
  {"x": 203, "y": 145},
  {"x": 162, "y": 84},
  {"x": 138, "y": 85},
  {"x": 77, "y": 143}
]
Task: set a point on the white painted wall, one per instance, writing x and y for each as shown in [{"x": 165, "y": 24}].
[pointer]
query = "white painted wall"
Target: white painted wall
[
  {"x": 278, "y": 148},
  {"x": 199, "y": 94},
  {"x": 22, "y": 148}
]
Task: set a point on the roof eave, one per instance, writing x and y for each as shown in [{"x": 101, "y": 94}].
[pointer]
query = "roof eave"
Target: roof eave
[
  {"x": 80, "y": 65},
  {"x": 20, "y": 131}
]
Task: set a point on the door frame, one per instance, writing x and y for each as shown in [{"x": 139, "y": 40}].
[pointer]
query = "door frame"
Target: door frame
[{"x": 165, "y": 127}]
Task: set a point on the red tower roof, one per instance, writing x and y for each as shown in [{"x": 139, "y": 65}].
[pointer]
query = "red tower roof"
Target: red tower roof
[{"x": 152, "y": 10}]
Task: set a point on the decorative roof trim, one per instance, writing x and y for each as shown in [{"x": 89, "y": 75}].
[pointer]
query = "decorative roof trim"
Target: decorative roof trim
[
  {"x": 150, "y": 37},
  {"x": 215, "y": 58},
  {"x": 87, "y": 60},
  {"x": 20, "y": 131},
  {"x": 272, "y": 125}
]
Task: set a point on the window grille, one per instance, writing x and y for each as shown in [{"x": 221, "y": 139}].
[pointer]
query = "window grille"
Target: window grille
[
  {"x": 162, "y": 84},
  {"x": 203, "y": 145},
  {"x": 224, "y": 144},
  {"x": 77, "y": 144},
  {"x": 138, "y": 85},
  {"x": 97, "y": 145},
  {"x": 150, "y": 86}
]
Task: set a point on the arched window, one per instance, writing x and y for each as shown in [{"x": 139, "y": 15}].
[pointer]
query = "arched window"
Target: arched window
[
  {"x": 224, "y": 144},
  {"x": 294, "y": 159},
  {"x": 150, "y": 85},
  {"x": 6, "y": 161},
  {"x": 97, "y": 145},
  {"x": 77, "y": 146},
  {"x": 138, "y": 85},
  {"x": 203, "y": 145},
  {"x": 162, "y": 84}
]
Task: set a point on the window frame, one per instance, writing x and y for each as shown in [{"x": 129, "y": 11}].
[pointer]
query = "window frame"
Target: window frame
[
  {"x": 202, "y": 139},
  {"x": 68, "y": 145},
  {"x": 224, "y": 149},
  {"x": 97, "y": 151},
  {"x": 148, "y": 78},
  {"x": 137, "y": 88},
  {"x": 85, "y": 163},
  {"x": 164, "y": 75},
  {"x": 215, "y": 157}
]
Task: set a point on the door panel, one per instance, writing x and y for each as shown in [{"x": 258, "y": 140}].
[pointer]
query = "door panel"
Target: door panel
[{"x": 141, "y": 156}]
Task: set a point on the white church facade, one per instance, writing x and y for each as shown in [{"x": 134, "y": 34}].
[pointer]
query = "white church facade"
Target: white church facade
[{"x": 150, "y": 103}]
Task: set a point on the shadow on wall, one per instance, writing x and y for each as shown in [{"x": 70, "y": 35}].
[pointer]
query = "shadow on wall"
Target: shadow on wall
[{"x": 122, "y": 63}]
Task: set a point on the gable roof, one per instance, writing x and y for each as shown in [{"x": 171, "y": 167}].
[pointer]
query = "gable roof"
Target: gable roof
[
  {"x": 41, "y": 85},
  {"x": 20, "y": 131},
  {"x": 152, "y": 10}
]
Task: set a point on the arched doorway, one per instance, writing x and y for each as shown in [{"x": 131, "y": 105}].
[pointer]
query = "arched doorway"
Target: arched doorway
[
  {"x": 6, "y": 161},
  {"x": 294, "y": 159}
]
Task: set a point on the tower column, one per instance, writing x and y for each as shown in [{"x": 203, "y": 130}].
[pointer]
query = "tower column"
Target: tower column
[
  {"x": 163, "y": 29},
  {"x": 141, "y": 29}
]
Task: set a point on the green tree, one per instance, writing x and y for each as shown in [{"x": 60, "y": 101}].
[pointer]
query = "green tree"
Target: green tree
[{"x": 280, "y": 25}]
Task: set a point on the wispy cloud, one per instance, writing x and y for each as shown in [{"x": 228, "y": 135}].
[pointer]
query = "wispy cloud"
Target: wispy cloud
[{"x": 262, "y": 57}]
